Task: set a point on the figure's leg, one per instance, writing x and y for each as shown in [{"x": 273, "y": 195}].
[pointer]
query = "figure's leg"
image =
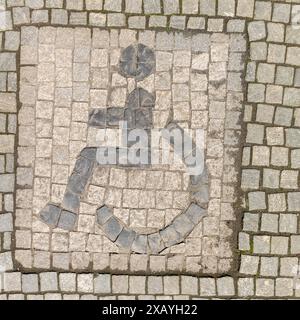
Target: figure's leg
[{"x": 65, "y": 217}]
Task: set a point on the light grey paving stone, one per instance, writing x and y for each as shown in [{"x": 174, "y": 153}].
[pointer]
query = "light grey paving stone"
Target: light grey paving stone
[
  {"x": 284, "y": 75},
  {"x": 275, "y": 32},
  {"x": 171, "y": 285},
  {"x": 40, "y": 16},
  {"x": 12, "y": 40},
  {"x": 245, "y": 8},
  {"x": 250, "y": 179},
  {"x": 289, "y": 179},
  {"x": 94, "y": 4},
  {"x": 263, "y": 10},
  {"x": 257, "y": 30},
  {"x": 275, "y": 136},
  {"x": 236, "y": 26},
  {"x": 255, "y": 133},
  {"x": 281, "y": 12},
  {"x": 196, "y": 23},
  {"x": 244, "y": 241},
  {"x": 6, "y": 222},
  {"x": 269, "y": 266},
  {"x": 48, "y": 281},
  {"x": 276, "y": 53},
  {"x": 269, "y": 222},
  {"x": 293, "y": 201},
  {"x": 67, "y": 282},
  {"x": 249, "y": 264},
  {"x": 152, "y": 7},
  {"x": 289, "y": 266},
  {"x": 283, "y": 116},
  {"x": 261, "y": 244},
  {"x": 133, "y": 6},
  {"x": 292, "y": 97},
  {"x": 137, "y": 285},
  {"x": 225, "y": 287},
  {"x": 292, "y": 54},
  {"x": 208, "y": 7},
  {"x": 279, "y": 156},
  {"x": 288, "y": 223},
  {"x": 155, "y": 285},
  {"x": 178, "y": 22},
  {"x": 137, "y": 22},
  {"x": 295, "y": 158},
  {"x": 157, "y": 21},
  {"x": 34, "y": 4},
  {"x": 258, "y": 50},
  {"x": 293, "y": 138},
  {"x": 12, "y": 282},
  {"x": 102, "y": 284},
  {"x": 266, "y": 73},
  {"x": 21, "y": 15},
  {"x": 250, "y": 222},
  {"x": 170, "y": 7},
  {"x": 245, "y": 287},
  {"x": 265, "y": 113},
  {"x": 297, "y": 78},
  {"x": 257, "y": 200},
  {"x": 30, "y": 283},
  {"x": 295, "y": 244},
  {"x": 59, "y": 16},
  {"x": 271, "y": 178},
  {"x": 7, "y": 183},
  {"x": 284, "y": 287},
  {"x": 189, "y": 285},
  {"x": 279, "y": 245},
  {"x": 226, "y": 8},
  {"x": 277, "y": 202},
  {"x": 265, "y": 287},
  {"x": 256, "y": 92}
]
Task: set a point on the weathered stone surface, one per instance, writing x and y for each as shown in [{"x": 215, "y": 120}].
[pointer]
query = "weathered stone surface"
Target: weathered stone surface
[
  {"x": 50, "y": 215},
  {"x": 126, "y": 238},
  {"x": 155, "y": 242},
  {"x": 183, "y": 225},
  {"x": 97, "y": 118},
  {"x": 6, "y": 222},
  {"x": 139, "y": 244},
  {"x": 170, "y": 236},
  {"x": 8, "y": 102},
  {"x": 137, "y": 61},
  {"x": 112, "y": 228},
  {"x": 71, "y": 202},
  {"x": 103, "y": 214},
  {"x": 67, "y": 220},
  {"x": 7, "y": 182},
  {"x": 195, "y": 213}
]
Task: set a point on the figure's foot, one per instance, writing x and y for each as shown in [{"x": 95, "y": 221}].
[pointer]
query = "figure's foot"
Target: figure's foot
[{"x": 55, "y": 217}]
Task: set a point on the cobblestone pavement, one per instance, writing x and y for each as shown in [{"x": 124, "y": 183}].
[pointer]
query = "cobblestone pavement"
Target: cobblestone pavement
[{"x": 72, "y": 229}]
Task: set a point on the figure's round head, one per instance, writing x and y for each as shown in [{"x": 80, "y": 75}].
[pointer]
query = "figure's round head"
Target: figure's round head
[{"x": 137, "y": 61}]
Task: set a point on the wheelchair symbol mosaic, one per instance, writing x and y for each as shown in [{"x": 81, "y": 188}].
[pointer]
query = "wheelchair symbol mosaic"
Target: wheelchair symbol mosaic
[{"x": 90, "y": 81}]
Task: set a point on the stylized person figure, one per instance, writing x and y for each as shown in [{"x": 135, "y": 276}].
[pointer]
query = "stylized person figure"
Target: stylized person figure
[{"x": 138, "y": 62}]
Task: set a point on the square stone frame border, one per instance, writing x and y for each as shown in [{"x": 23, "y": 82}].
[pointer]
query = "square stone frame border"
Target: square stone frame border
[
  {"x": 237, "y": 205},
  {"x": 231, "y": 279}
]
